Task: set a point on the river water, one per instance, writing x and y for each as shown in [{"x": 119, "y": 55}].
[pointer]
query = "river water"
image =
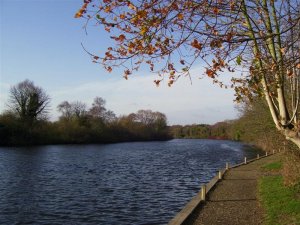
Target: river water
[{"x": 115, "y": 184}]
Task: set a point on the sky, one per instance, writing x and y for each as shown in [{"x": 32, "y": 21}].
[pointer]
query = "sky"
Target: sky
[{"x": 40, "y": 40}]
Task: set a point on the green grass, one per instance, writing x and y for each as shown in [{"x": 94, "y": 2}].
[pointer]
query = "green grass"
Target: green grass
[
  {"x": 273, "y": 166},
  {"x": 281, "y": 204}
]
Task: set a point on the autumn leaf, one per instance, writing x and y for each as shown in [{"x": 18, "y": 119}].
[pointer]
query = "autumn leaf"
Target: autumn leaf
[
  {"x": 122, "y": 16},
  {"x": 78, "y": 15},
  {"x": 216, "y": 10},
  {"x": 170, "y": 83},
  {"x": 82, "y": 10},
  {"x": 180, "y": 16},
  {"x": 107, "y": 9},
  {"x": 157, "y": 82},
  {"x": 143, "y": 30},
  {"x": 121, "y": 38},
  {"x": 141, "y": 14},
  {"x": 210, "y": 73},
  {"x": 109, "y": 69},
  {"x": 196, "y": 44}
]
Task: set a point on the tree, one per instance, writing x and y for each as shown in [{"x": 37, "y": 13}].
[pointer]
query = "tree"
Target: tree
[
  {"x": 99, "y": 111},
  {"x": 66, "y": 109},
  {"x": 28, "y": 101},
  {"x": 259, "y": 130},
  {"x": 98, "y": 108},
  {"x": 75, "y": 110},
  {"x": 261, "y": 37},
  {"x": 154, "y": 120},
  {"x": 79, "y": 109}
]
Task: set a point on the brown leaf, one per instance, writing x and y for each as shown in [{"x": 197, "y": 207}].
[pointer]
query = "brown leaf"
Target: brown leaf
[
  {"x": 210, "y": 73},
  {"x": 157, "y": 82},
  {"x": 109, "y": 69},
  {"x": 180, "y": 16}
]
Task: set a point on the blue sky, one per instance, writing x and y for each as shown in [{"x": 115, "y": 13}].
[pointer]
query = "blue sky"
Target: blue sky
[{"x": 41, "y": 41}]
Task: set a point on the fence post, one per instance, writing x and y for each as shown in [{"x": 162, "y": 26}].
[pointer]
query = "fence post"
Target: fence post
[
  {"x": 203, "y": 192},
  {"x": 227, "y": 166},
  {"x": 273, "y": 151},
  {"x": 266, "y": 153},
  {"x": 245, "y": 160},
  {"x": 220, "y": 175},
  {"x": 257, "y": 156}
]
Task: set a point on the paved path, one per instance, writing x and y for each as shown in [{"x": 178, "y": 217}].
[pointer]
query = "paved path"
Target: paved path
[{"x": 234, "y": 199}]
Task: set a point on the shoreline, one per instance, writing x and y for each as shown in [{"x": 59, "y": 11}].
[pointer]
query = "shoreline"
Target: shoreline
[{"x": 226, "y": 198}]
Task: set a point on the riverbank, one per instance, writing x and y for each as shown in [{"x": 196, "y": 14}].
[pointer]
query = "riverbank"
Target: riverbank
[{"x": 235, "y": 199}]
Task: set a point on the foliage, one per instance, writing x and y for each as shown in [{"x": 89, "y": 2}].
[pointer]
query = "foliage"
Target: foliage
[
  {"x": 28, "y": 101},
  {"x": 255, "y": 126},
  {"x": 191, "y": 131},
  {"x": 77, "y": 123},
  {"x": 261, "y": 37},
  {"x": 14, "y": 131},
  {"x": 202, "y": 131},
  {"x": 281, "y": 203}
]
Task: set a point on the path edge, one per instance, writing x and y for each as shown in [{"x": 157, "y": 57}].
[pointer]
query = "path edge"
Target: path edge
[{"x": 197, "y": 200}]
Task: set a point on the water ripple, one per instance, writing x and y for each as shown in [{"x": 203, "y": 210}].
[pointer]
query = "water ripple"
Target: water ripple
[{"x": 128, "y": 183}]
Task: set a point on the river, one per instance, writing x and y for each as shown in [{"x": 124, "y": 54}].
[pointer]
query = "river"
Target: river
[{"x": 115, "y": 184}]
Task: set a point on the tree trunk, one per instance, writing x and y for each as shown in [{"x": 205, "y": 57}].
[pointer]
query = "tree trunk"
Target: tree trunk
[{"x": 292, "y": 136}]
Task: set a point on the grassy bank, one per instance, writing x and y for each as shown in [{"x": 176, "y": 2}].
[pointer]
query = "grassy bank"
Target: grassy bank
[{"x": 281, "y": 203}]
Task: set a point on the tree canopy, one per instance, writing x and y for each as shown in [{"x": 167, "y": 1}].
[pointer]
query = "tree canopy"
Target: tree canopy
[
  {"x": 28, "y": 101},
  {"x": 260, "y": 38}
]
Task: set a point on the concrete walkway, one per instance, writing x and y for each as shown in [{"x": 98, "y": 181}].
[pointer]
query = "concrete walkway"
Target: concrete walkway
[{"x": 234, "y": 200}]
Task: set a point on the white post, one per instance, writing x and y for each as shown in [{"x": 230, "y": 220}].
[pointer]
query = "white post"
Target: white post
[
  {"x": 257, "y": 156},
  {"x": 273, "y": 151},
  {"x": 203, "y": 192},
  {"x": 220, "y": 175},
  {"x": 227, "y": 166},
  {"x": 266, "y": 153},
  {"x": 245, "y": 160}
]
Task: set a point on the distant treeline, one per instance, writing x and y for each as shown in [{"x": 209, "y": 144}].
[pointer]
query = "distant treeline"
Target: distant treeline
[
  {"x": 201, "y": 131},
  {"x": 254, "y": 126},
  {"x": 25, "y": 122}
]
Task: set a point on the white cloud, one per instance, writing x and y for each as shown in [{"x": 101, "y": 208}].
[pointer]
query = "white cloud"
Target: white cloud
[{"x": 183, "y": 103}]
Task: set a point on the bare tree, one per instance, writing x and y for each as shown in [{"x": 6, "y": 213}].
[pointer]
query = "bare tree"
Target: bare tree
[
  {"x": 72, "y": 110},
  {"x": 66, "y": 109},
  {"x": 99, "y": 111},
  {"x": 98, "y": 108},
  {"x": 28, "y": 101}
]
